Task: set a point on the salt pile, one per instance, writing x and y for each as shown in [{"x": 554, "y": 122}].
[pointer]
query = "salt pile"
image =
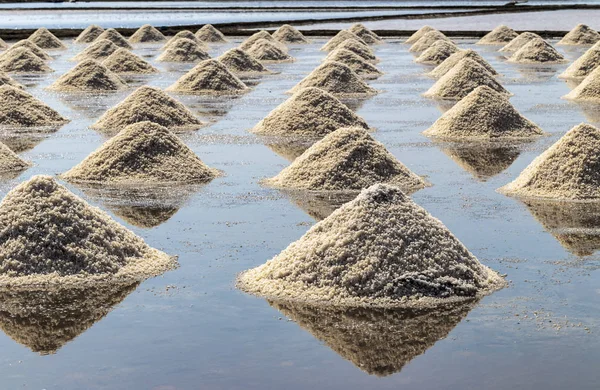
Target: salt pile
[
  {"x": 147, "y": 34},
  {"x": 90, "y": 34},
  {"x": 22, "y": 60},
  {"x": 580, "y": 35},
  {"x": 419, "y": 33},
  {"x": 345, "y": 160},
  {"x": 337, "y": 79},
  {"x": 288, "y": 34},
  {"x": 99, "y": 50},
  {"x": 142, "y": 153},
  {"x": 359, "y": 49},
  {"x": 208, "y": 33},
  {"x": 241, "y": 63},
  {"x": 148, "y": 104},
  {"x": 310, "y": 112},
  {"x": 113, "y": 35},
  {"x": 588, "y": 90},
  {"x": 89, "y": 76},
  {"x": 248, "y": 43},
  {"x": 537, "y": 51},
  {"x": 20, "y": 109},
  {"x": 35, "y": 49},
  {"x": 380, "y": 250},
  {"x": 584, "y": 65},
  {"x": 368, "y": 36},
  {"x": 339, "y": 38},
  {"x": 483, "y": 114},
  {"x": 7, "y": 80},
  {"x": 266, "y": 51},
  {"x": 462, "y": 79},
  {"x": 3, "y": 45},
  {"x": 565, "y": 171},
  {"x": 437, "y": 53},
  {"x": 10, "y": 162},
  {"x": 46, "y": 40},
  {"x": 209, "y": 77},
  {"x": 519, "y": 42},
  {"x": 354, "y": 62},
  {"x": 125, "y": 62},
  {"x": 455, "y": 58},
  {"x": 501, "y": 35},
  {"x": 427, "y": 40},
  {"x": 183, "y": 34},
  {"x": 183, "y": 50}
]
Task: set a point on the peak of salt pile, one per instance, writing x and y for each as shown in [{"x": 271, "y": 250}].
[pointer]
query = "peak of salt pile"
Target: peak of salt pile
[
  {"x": 427, "y": 40},
  {"x": 537, "y": 51},
  {"x": 209, "y": 77},
  {"x": 20, "y": 109},
  {"x": 115, "y": 37},
  {"x": 519, "y": 42},
  {"x": 588, "y": 90},
  {"x": 368, "y": 36},
  {"x": 35, "y": 49},
  {"x": 501, "y": 35},
  {"x": 185, "y": 34},
  {"x": 347, "y": 159},
  {"x": 462, "y": 79},
  {"x": 584, "y": 65},
  {"x": 10, "y": 162},
  {"x": 483, "y": 114},
  {"x": 455, "y": 58},
  {"x": 125, "y": 62},
  {"x": 208, "y": 33},
  {"x": 354, "y": 62},
  {"x": 7, "y": 80},
  {"x": 183, "y": 50},
  {"x": 90, "y": 34},
  {"x": 337, "y": 79},
  {"x": 567, "y": 170},
  {"x": 266, "y": 51},
  {"x": 147, "y": 34},
  {"x": 22, "y": 60},
  {"x": 240, "y": 62},
  {"x": 46, "y": 40},
  {"x": 360, "y": 49},
  {"x": 89, "y": 76},
  {"x": 580, "y": 35},
  {"x": 339, "y": 38},
  {"x": 99, "y": 51},
  {"x": 419, "y": 33},
  {"x": 437, "y": 53},
  {"x": 310, "y": 112},
  {"x": 142, "y": 153},
  {"x": 248, "y": 43},
  {"x": 379, "y": 250},
  {"x": 288, "y": 34}
]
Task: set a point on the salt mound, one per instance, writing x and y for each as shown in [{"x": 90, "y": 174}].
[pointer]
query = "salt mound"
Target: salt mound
[
  {"x": 310, "y": 112},
  {"x": 113, "y": 35},
  {"x": 462, "y": 79},
  {"x": 339, "y": 38},
  {"x": 183, "y": 35},
  {"x": 266, "y": 51},
  {"x": 183, "y": 50},
  {"x": 7, "y": 80},
  {"x": 46, "y": 40},
  {"x": 359, "y": 49},
  {"x": 22, "y": 60},
  {"x": 147, "y": 34},
  {"x": 483, "y": 114},
  {"x": 99, "y": 50},
  {"x": 580, "y": 35},
  {"x": 588, "y": 90},
  {"x": 519, "y": 42},
  {"x": 427, "y": 40},
  {"x": 537, "y": 51},
  {"x": 501, "y": 35},
  {"x": 90, "y": 34},
  {"x": 380, "y": 250},
  {"x": 89, "y": 76},
  {"x": 337, "y": 79},
  {"x": 142, "y": 153},
  {"x": 455, "y": 58},
  {"x": 584, "y": 65},
  {"x": 209, "y": 77},
  {"x": 248, "y": 43},
  {"x": 240, "y": 62},
  {"x": 368, "y": 36},
  {"x": 10, "y": 162},
  {"x": 148, "y": 104},
  {"x": 354, "y": 62},
  {"x": 124, "y": 61},
  {"x": 437, "y": 53},
  {"x": 208, "y": 33},
  {"x": 346, "y": 159},
  {"x": 288, "y": 34},
  {"x": 419, "y": 33},
  {"x": 20, "y": 109},
  {"x": 35, "y": 49},
  {"x": 48, "y": 235}
]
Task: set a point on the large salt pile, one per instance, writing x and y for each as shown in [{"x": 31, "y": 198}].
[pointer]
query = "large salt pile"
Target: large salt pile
[
  {"x": 10, "y": 162},
  {"x": 266, "y": 51},
  {"x": 537, "y": 51},
  {"x": 584, "y": 65},
  {"x": 208, "y": 33},
  {"x": 337, "y": 79},
  {"x": 90, "y": 34},
  {"x": 340, "y": 37},
  {"x": 125, "y": 62},
  {"x": 46, "y": 40},
  {"x": 565, "y": 171},
  {"x": 99, "y": 51},
  {"x": 380, "y": 250},
  {"x": 437, "y": 53},
  {"x": 115, "y": 37},
  {"x": 580, "y": 35},
  {"x": 354, "y": 62},
  {"x": 360, "y": 49},
  {"x": 483, "y": 114},
  {"x": 501, "y": 35},
  {"x": 519, "y": 42},
  {"x": 462, "y": 79},
  {"x": 142, "y": 153},
  {"x": 588, "y": 90},
  {"x": 183, "y": 50},
  {"x": 148, "y": 104},
  {"x": 455, "y": 58},
  {"x": 248, "y": 43},
  {"x": 20, "y": 109},
  {"x": 427, "y": 40},
  {"x": 22, "y": 60},
  {"x": 368, "y": 36},
  {"x": 89, "y": 76},
  {"x": 7, "y": 80},
  {"x": 310, "y": 112},
  {"x": 209, "y": 77},
  {"x": 419, "y": 33},
  {"x": 147, "y": 34},
  {"x": 241, "y": 63},
  {"x": 183, "y": 34},
  {"x": 346, "y": 159},
  {"x": 35, "y": 49},
  {"x": 288, "y": 34}
]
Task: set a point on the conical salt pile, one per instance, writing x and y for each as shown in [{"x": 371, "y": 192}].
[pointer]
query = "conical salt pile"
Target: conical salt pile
[
  {"x": 462, "y": 79},
  {"x": 584, "y": 65},
  {"x": 50, "y": 236},
  {"x": 288, "y": 34},
  {"x": 20, "y": 109},
  {"x": 519, "y": 42},
  {"x": 90, "y": 34},
  {"x": 588, "y": 90},
  {"x": 142, "y": 153},
  {"x": 148, "y": 104},
  {"x": 35, "y": 49},
  {"x": 567, "y": 170},
  {"x": 183, "y": 50},
  {"x": 22, "y": 60},
  {"x": 266, "y": 51},
  {"x": 310, "y": 112},
  {"x": 125, "y": 62},
  {"x": 501, "y": 35},
  {"x": 354, "y": 62},
  {"x": 89, "y": 76},
  {"x": 115, "y": 37},
  {"x": 147, "y": 34},
  {"x": 537, "y": 51},
  {"x": 437, "y": 53},
  {"x": 580, "y": 35},
  {"x": 360, "y": 49},
  {"x": 368, "y": 36},
  {"x": 419, "y": 33},
  {"x": 455, "y": 58},
  {"x": 7, "y": 80},
  {"x": 379, "y": 250},
  {"x": 10, "y": 162},
  {"x": 337, "y": 79},
  {"x": 340, "y": 37},
  {"x": 248, "y": 43},
  {"x": 427, "y": 40},
  {"x": 346, "y": 159},
  {"x": 99, "y": 51},
  {"x": 181, "y": 35},
  {"x": 46, "y": 40},
  {"x": 241, "y": 63},
  {"x": 208, "y": 33},
  {"x": 209, "y": 77},
  {"x": 483, "y": 114}
]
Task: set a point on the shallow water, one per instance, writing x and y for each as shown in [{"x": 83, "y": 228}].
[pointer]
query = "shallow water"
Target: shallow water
[{"x": 191, "y": 329}]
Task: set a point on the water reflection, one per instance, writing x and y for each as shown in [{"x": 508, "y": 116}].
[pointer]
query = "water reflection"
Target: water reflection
[
  {"x": 319, "y": 205},
  {"x": 289, "y": 150},
  {"x": 355, "y": 104},
  {"x": 210, "y": 108},
  {"x": 19, "y": 144},
  {"x": 92, "y": 106},
  {"x": 483, "y": 161},
  {"x": 537, "y": 73}
]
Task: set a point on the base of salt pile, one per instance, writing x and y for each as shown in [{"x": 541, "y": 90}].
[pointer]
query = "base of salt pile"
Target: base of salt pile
[
  {"x": 588, "y": 90},
  {"x": 20, "y": 109}
]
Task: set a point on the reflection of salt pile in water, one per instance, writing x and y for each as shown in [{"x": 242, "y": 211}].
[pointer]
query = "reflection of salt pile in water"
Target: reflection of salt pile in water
[
  {"x": 20, "y": 109},
  {"x": 35, "y": 49},
  {"x": 125, "y": 62},
  {"x": 46, "y": 40},
  {"x": 22, "y": 60},
  {"x": 319, "y": 205},
  {"x": 248, "y": 43},
  {"x": 10, "y": 162},
  {"x": 381, "y": 249},
  {"x": 266, "y": 51},
  {"x": 501, "y": 35},
  {"x": 209, "y": 77},
  {"x": 183, "y": 50},
  {"x": 88, "y": 76},
  {"x": 90, "y": 34},
  {"x": 519, "y": 42},
  {"x": 419, "y": 33},
  {"x": 337, "y": 79},
  {"x": 115, "y": 37},
  {"x": 208, "y": 33},
  {"x": 482, "y": 160},
  {"x": 241, "y": 63},
  {"x": 427, "y": 40},
  {"x": 99, "y": 50},
  {"x": 584, "y": 65},
  {"x": 354, "y": 62},
  {"x": 7, "y": 80},
  {"x": 368, "y": 36},
  {"x": 537, "y": 51},
  {"x": 19, "y": 143},
  {"x": 360, "y": 49},
  {"x": 340, "y": 38},
  {"x": 580, "y": 35},
  {"x": 437, "y": 53},
  {"x": 588, "y": 90},
  {"x": 147, "y": 34},
  {"x": 455, "y": 58},
  {"x": 288, "y": 34}
]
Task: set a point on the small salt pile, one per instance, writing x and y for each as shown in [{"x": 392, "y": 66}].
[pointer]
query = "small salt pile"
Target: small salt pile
[
  {"x": 519, "y": 42},
  {"x": 368, "y": 36},
  {"x": 427, "y": 40},
  {"x": 354, "y": 62},
  {"x": 537, "y": 51},
  {"x": 115, "y": 37},
  {"x": 580, "y": 35},
  {"x": 22, "y": 60},
  {"x": 584, "y": 65},
  {"x": 361, "y": 50},
  {"x": 588, "y": 90},
  {"x": 339, "y": 38},
  {"x": 184, "y": 34},
  {"x": 483, "y": 114},
  {"x": 209, "y": 77},
  {"x": 10, "y": 162},
  {"x": 437, "y": 53},
  {"x": 265, "y": 51},
  {"x": 310, "y": 112},
  {"x": 419, "y": 33},
  {"x": 35, "y": 49},
  {"x": 148, "y": 104},
  {"x": 462, "y": 79},
  {"x": 347, "y": 159},
  {"x": 123, "y": 61},
  {"x": 248, "y": 43},
  {"x": 337, "y": 79},
  {"x": 455, "y": 58},
  {"x": 20, "y": 109},
  {"x": 142, "y": 153},
  {"x": 90, "y": 34},
  {"x": 147, "y": 34},
  {"x": 379, "y": 250},
  {"x": 501, "y": 35},
  {"x": 567, "y": 170},
  {"x": 46, "y": 40},
  {"x": 7, "y": 80},
  {"x": 208, "y": 33},
  {"x": 241, "y": 63},
  {"x": 183, "y": 50},
  {"x": 288, "y": 34},
  {"x": 89, "y": 76},
  {"x": 99, "y": 51}
]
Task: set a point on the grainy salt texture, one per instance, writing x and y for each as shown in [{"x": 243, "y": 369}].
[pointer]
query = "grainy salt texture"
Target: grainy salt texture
[
  {"x": 455, "y": 58},
  {"x": 22, "y": 60},
  {"x": 310, "y": 112},
  {"x": 427, "y": 40},
  {"x": 35, "y": 49},
  {"x": 99, "y": 51},
  {"x": 123, "y": 61},
  {"x": 537, "y": 51},
  {"x": 419, "y": 33},
  {"x": 20, "y": 109},
  {"x": 437, "y": 53},
  {"x": 340, "y": 37},
  {"x": 3, "y": 45},
  {"x": 519, "y": 42},
  {"x": 89, "y": 76},
  {"x": 580, "y": 35},
  {"x": 147, "y": 34},
  {"x": 241, "y": 63},
  {"x": 183, "y": 50},
  {"x": 368, "y": 36},
  {"x": 209, "y": 77},
  {"x": 90, "y": 34},
  {"x": 7, "y": 80},
  {"x": 288, "y": 34},
  {"x": 337, "y": 79},
  {"x": 208, "y": 33},
  {"x": 250, "y": 41},
  {"x": 359, "y": 49},
  {"x": 354, "y": 62},
  {"x": 184, "y": 34},
  {"x": 501, "y": 35},
  {"x": 267, "y": 52},
  {"x": 10, "y": 162},
  {"x": 379, "y": 250},
  {"x": 588, "y": 90},
  {"x": 46, "y": 40},
  {"x": 584, "y": 65},
  {"x": 115, "y": 37}
]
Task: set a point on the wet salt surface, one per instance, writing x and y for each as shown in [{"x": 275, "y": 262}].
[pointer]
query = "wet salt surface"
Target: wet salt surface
[{"x": 192, "y": 329}]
